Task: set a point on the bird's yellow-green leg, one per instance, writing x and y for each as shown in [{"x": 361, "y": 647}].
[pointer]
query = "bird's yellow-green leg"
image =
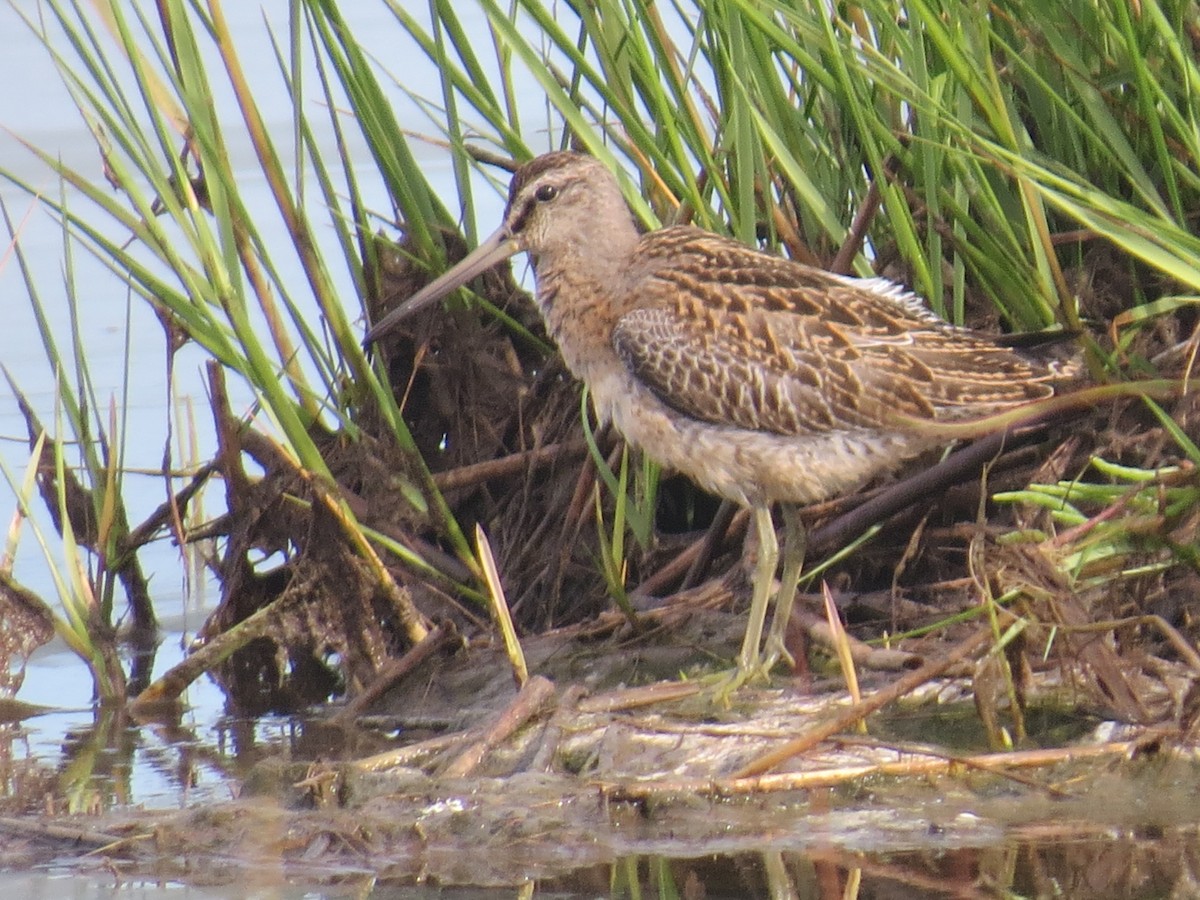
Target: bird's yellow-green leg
[
  {"x": 793, "y": 563},
  {"x": 749, "y": 660},
  {"x": 764, "y": 576}
]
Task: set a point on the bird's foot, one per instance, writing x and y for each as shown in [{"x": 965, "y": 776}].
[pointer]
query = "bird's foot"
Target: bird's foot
[
  {"x": 774, "y": 651},
  {"x": 723, "y": 685}
]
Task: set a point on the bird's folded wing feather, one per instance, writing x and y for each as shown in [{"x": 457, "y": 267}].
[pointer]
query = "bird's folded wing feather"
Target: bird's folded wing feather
[{"x": 791, "y": 350}]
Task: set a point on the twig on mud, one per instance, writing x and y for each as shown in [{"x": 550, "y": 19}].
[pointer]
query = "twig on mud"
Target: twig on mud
[
  {"x": 634, "y": 698},
  {"x": 873, "y": 703},
  {"x": 533, "y": 698},
  {"x": 394, "y": 671},
  {"x": 414, "y": 755},
  {"x": 794, "y": 781},
  {"x": 94, "y": 840},
  {"x": 924, "y": 750}
]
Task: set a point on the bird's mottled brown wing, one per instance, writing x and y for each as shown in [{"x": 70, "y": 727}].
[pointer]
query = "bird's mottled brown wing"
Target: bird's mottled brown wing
[{"x": 729, "y": 335}]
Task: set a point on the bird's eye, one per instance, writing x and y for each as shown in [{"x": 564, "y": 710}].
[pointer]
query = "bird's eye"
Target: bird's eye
[{"x": 546, "y": 193}]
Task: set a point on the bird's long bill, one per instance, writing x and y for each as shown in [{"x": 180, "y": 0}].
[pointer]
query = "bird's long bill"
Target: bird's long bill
[{"x": 495, "y": 249}]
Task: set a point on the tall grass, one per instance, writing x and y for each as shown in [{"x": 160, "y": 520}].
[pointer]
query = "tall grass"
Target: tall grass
[{"x": 980, "y": 152}]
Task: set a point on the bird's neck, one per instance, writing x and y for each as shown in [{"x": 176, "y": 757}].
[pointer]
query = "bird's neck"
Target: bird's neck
[{"x": 581, "y": 292}]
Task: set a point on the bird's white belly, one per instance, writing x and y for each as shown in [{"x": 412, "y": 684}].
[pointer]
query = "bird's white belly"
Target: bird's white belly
[{"x": 748, "y": 467}]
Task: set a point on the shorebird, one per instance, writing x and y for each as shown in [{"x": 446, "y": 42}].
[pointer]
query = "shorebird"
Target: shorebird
[{"x": 764, "y": 380}]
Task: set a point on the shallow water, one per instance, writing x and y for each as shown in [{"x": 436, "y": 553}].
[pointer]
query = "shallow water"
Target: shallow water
[{"x": 41, "y": 112}]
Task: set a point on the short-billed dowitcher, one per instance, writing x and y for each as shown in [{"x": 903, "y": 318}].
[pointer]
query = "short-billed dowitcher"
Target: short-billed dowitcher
[{"x": 764, "y": 380}]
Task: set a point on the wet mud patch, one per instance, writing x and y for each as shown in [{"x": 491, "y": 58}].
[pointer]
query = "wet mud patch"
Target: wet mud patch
[
  {"x": 578, "y": 789},
  {"x": 577, "y": 778}
]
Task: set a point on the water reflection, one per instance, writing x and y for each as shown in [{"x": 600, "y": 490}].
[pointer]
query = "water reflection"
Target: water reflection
[{"x": 1128, "y": 829}]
